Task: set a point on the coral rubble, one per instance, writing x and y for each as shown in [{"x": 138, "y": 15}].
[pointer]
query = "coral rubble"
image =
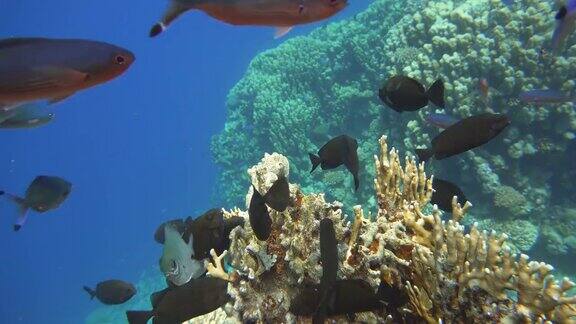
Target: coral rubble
[{"x": 446, "y": 274}]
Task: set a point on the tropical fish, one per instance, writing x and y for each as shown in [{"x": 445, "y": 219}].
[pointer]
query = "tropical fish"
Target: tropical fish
[
  {"x": 259, "y": 217},
  {"x": 329, "y": 258},
  {"x": 441, "y": 120},
  {"x": 211, "y": 231},
  {"x": 350, "y": 296},
  {"x": 112, "y": 292},
  {"x": 484, "y": 88},
  {"x": 54, "y": 69},
  {"x": 339, "y": 150},
  {"x": 177, "y": 262},
  {"x": 25, "y": 116},
  {"x": 403, "y": 93},
  {"x": 282, "y": 14},
  {"x": 43, "y": 194},
  {"x": 465, "y": 135},
  {"x": 178, "y": 224},
  {"x": 544, "y": 96},
  {"x": 278, "y": 196},
  {"x": 179, "y": 304},
  {"x": 565, "y": 24},
  {"x": 443, "y": 193}
]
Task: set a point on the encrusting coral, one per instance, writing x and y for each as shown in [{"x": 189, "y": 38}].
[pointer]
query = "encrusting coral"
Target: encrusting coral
[{"x": 440, "y": 273}]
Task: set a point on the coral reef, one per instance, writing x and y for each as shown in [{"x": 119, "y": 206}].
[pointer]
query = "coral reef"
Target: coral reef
[
  {"x": 296, "y": 96},
  {"x": 447, "y": 275}
]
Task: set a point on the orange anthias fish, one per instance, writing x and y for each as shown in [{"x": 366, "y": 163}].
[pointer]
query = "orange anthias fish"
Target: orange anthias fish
[
  {"x": 484, "y": 88},
  {"x": 53, "y": 69},
  {"x": 282, "y": 14}
]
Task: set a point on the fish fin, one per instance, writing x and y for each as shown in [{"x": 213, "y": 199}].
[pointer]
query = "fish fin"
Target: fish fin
[
  {"x": 424, "y": 154},
  {"x": 156, "y": 297},
  {"x": 561, "y": 13},
  {"x": 436, "y": 93},
  {"x": 282, "y": 31},
  {"x": 175, "y": 9},
  {"x": 91, "y": 292},
  {"x": 315, "y": 159},
  {"x": 59, "y": 98},
  {"x": 138, "y": 317},
  {"x": 22, "y": 210}
]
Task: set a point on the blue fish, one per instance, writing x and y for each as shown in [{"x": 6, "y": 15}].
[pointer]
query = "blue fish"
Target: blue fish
[
  {"x": 544, "y": 96},
  {"x": 441, "y": 120},
  {"x": 565, "y": 24}
]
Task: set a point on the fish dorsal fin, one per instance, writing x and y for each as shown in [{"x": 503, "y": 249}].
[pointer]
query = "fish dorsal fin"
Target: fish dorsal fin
[
  {"x": 561, "y": 13},
  {"x": 156, "y": 297},
  {"x": 9, "y": 42},
  {"x": 282, "y": 31}
]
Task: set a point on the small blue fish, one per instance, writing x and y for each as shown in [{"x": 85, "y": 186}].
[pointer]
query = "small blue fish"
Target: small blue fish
[
  {"x": 441, "y": 120},
  {"x": 25, "y": 116},
  {"x": 544, "y": 96},
  {"x": 565, "y": 24}
]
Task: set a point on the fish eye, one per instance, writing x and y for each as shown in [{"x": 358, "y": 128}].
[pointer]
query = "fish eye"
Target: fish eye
[
  {"x": 119, "y": 59},
  {"x": 174, "y": 265}
]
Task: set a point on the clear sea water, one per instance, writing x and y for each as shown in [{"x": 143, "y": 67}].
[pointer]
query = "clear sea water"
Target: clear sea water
[{"x": 136, "y": 149}]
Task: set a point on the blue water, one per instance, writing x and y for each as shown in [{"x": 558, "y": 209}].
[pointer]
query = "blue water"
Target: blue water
[{"x": 136, "y": 149}]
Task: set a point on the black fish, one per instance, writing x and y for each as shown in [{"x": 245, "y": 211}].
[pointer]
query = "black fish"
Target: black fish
[
  {"x": 211, "y": 231},
  {"x": 178, "y": 304},
  {"x": 178, "y": 224},
  {"x": 350, "y": 296},
  {"x": 329, "y": 258},
  {"x": 339, "y": 150},
  {"x": 260, "y": 220},
  {"x": 443, "y": 193},
  {"x": 402, "y": 93},
  {"x": 278, "y": 196},
  {"x": 465, "y": 135},
  {"x": 112, "y": 292},
  {"x": 43, "y": 194}
]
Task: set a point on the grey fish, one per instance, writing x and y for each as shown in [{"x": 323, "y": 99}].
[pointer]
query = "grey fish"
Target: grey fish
[
  {"x": 54, "y": 69},
  {"x": 465, "y": 135},
  {"x": 178, "y": 304},
  {"x": 177, "y": 262},
  {"x": 43, "y": 194},
  {"x": 341, "y": 150},
  {"x": 112, "y": 292},
  {"x": 544, "y": 96},
  {"x": 259, "y": 216},
  {"x": 402, "y": 93},
  {"x": 277, "y": 13},
  {"x": 565, "y": 24}
]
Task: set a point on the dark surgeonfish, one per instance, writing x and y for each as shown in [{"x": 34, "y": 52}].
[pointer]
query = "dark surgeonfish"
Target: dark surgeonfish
[
  {"x": 54, "y": 69},
  {"x": 112, "y": 292},
  {"x": 339, "y": 150},
  {"x": 565, "y": 24},
  {"x": 403, "y": 93},
  {"x": 282, "y": 14},
  {"x": 211, "y": 231},
  {"x": 465, "y": 135},
  {"x": 43, "y": 194},
  {"x": 350, "y": 296},
  {"x": 278, "y": 196},
  {"x": 443, "y": 193},
  {"x": 259, "y": 216},
  {"x": 329, "y": 258},
  {"x": 179, "y": 304}
]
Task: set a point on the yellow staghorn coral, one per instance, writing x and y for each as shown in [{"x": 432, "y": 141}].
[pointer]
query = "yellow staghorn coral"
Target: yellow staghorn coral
[{"x": 430, "y": 270}]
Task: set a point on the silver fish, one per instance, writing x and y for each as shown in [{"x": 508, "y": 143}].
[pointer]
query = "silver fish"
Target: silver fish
[{"x": 177, "y": 262}]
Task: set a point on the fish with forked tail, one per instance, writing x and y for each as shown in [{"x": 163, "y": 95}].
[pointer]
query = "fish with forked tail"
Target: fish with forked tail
[
  {"x": 282, "y": 14},
  {"x": 112, "y": 292},
  {"x": 402, "y": 93},
  {"x": 341, "y": 150},
  {"x": 465, "y": 135}
]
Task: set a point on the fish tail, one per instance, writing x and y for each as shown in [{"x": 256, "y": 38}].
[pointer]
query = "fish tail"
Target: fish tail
[
  {"x": 436, "y": 93},
  {"x": 175, "y": 9},
  {"x": 91, "y": 292},
  {"x": 138, "y": 317},
  {"x": 424, "y": 154},
  {"x": 22, "y": 210},
  {"x": 315, "y": 159}
]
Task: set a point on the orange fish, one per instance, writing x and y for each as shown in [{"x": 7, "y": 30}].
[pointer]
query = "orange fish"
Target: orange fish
[
  {"x": 53, "y": 69},
  {"x": 282, "y": 14},
  {"x": 484, "y": 88}
]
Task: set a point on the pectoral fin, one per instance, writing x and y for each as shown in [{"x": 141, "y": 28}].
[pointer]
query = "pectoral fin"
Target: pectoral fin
[
  {"x": 281, "y": 31},
  {"x": 22, "y": 209}
]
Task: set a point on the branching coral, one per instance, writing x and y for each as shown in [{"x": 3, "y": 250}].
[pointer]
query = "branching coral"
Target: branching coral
[{"x": 448, "y": 275}]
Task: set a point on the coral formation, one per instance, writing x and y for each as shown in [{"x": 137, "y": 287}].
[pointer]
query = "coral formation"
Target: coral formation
[
  {"x": 447, "y": 275},
  {"x": 296, "y": 96}
]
